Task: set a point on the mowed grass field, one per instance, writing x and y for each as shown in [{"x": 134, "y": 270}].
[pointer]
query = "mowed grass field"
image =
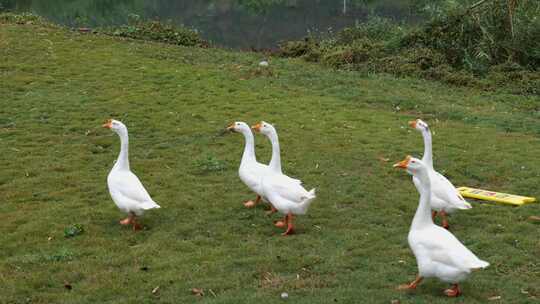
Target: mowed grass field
[{"x": 340, "y": 132}]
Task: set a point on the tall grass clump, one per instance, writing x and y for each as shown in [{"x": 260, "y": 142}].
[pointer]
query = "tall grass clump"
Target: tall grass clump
[
  {"x": 22, "y": 18},
  {"x": 159, "y": 31}
]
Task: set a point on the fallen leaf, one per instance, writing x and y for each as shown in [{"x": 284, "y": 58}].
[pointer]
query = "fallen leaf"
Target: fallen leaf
[
  {"x": 384, "y": 159},
  {"x": 395, "y": 302},
  {"x": 534, "y": 218},
  {"x": 155, "y": 290},
  {"x": 68, "y": 286},
  {"x": 494, "y": 298},
  {"x": 197, "y": 291}
]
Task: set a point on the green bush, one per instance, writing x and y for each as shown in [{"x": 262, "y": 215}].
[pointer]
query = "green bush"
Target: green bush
[
  {"x": 375, "y": 28},
  {"x": 164, "y": 32},
  {"x": 22, "y": 18},
  {"x": 457, "y": 45}
]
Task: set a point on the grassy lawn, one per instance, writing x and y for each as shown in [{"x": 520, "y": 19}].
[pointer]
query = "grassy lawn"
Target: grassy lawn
[{"x": 340, "y": 132}]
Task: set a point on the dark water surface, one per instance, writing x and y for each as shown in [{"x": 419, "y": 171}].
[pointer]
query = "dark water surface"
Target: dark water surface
[{"x": 231, "y": 23}]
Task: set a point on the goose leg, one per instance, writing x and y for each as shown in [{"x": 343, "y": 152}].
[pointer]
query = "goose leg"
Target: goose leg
[
  {"x": 272, "y": 210},
  {"x": 128, "y": 220},
  {"x": 453, "y": 292},
  {"x": 444, "y": 220},
  {"x": 251, "y": 204},
  {"x": 136, "y": 225},
  {"x": 281, "y": 223},
  {"x": 290, "y": 225},
  {"x": 411, "y": 285}
]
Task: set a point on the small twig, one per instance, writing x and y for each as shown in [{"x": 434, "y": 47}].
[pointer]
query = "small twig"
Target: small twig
[{"x": 476, "y": 5}]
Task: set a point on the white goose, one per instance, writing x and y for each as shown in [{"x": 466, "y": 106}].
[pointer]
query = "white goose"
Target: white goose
[
  {"x": 438, "y": 252},
  {"x": 270, "y": 132},
  {"x": 125, "y": 188},
  {"x": 286, "y": 194},
  {"x": 445, "y": 198},
  {"x": 250, "y": 171}
]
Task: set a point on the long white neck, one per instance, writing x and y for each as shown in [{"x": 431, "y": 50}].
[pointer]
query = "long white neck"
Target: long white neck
[
  {"x": 422, "y": 217},
  {"x": 275, "y": 162},
  {"x": 427, "y": 158},
  {"x": 249, "y": 149},
  {"x": 122, "y": 163}
]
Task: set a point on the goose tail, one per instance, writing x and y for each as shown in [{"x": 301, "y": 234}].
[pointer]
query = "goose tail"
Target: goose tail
[
  {"x": 307, "y": 200},
  {"x": 480, "y": 265},
  {"x": 149, "y": 205}
]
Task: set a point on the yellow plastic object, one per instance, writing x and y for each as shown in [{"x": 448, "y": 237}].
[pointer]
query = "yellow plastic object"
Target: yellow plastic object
[{"x": 498, "y": 197}]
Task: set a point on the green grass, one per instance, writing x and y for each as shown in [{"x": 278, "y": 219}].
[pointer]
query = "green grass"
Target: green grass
[{"x": 336, "y": 130}]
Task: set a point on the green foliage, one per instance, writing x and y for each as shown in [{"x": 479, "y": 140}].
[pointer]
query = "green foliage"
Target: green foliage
[
  {"x": 456, "y": 46},
  {"x": 375, "y": 29},
  {"x": 22, "y": 18},
  {"x": 159, "y": 31},
  {"x": 210, "y": 164},
  {"x": 73, "y": 230}
]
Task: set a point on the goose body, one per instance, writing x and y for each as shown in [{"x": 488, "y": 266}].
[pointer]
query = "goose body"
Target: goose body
[
  {"x": 438, "y": 252},
  {"x": 445, "y": 198},
  {"x": 128, "y": 193},
  {"x": 441, "y": 255},
  {"x": 250, "y": 171},
  {"x": 286, "y": 194},
  {"x": 125, "y": 188}
]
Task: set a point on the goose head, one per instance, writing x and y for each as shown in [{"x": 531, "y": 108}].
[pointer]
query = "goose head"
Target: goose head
[
  {"x": 264, "y": 128},
  {"x": 412, "y": 165},
  {"x": 419, "y": 125},
  {"x": 116, "y": 126},
  {"x": 238, "y": 126}
]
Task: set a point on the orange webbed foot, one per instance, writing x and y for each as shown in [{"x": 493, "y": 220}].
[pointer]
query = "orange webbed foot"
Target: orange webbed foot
[
  {"x": 406, "y": 287},
  {"x": 249, "y": 204},
  {"x": 289, "y": 231},
  {"x": 453, "y": 292},
  {"x": 279, "y": 224},
  {"x": 125, "y": 221},
  {"x": 137, "y": 227},
  {"x": 412, "y": 285},
  {"x": 290, "y": 226}
]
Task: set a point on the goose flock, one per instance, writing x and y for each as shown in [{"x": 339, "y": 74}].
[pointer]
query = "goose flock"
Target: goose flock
[{"x": 438, "y": 252}]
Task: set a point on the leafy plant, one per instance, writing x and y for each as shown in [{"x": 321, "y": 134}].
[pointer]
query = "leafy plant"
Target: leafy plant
[
  {"x": 157, "y": 31},
  {"x": 73, "y": 230},
  {"x": 210, "y": 164},
  {"x": 22, "y": 18},
  {"x": 459, "y": 44}
]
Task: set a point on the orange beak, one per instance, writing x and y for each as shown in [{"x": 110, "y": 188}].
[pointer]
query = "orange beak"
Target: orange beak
[
  {"x": 412, "y": 124},
  {"x": 108, "y": 124},
  {"x": 404, "y": 163},
  {"x": 230, "y": 127},
  {"x": 257, "y": 127}
]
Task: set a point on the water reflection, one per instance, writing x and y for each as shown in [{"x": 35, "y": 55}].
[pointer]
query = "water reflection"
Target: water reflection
[{"x": 233, "y": 23}]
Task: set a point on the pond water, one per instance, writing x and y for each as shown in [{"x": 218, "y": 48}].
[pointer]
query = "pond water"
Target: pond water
[{"x": 244, "y": 24}]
